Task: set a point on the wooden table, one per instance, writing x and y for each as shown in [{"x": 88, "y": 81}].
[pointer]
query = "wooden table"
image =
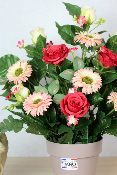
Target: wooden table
[{"x": 42, "y": 166}]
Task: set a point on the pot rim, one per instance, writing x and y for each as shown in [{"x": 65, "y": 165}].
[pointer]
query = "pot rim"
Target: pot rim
[{"x": 74, "y": 150}]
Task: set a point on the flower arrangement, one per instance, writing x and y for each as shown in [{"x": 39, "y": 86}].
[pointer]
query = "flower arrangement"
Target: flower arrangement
[{"x": 65, "y": 101}]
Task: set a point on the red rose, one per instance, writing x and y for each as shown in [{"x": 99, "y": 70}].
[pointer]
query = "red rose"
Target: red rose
[
  {"x": 74, "y": 104},
  {"x": 107, "y": 58},
  {"x": 55, "y": 54}
]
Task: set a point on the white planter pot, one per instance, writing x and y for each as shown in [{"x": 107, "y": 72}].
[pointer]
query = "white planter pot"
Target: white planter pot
[{"x": 86, "y": 156}]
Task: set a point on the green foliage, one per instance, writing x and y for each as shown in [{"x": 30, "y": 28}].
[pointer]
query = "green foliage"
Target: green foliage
[
  {"x": 11, "y": 124},
  {"x": 78, "y": 63},
  {"x": 6, "y": 61},
  {"x": 83, "y": 122},
  {"x": 103, "y": 31},
  {"x": 94, "y": 98},
  {"x": 63, "y": 128},
  {"x": 108, "y": 77},
  {"x": 53, "y": 87},
  {"x": 73, "y": 9},
  {"x": 66, "y": 139},
  {"x": 58, "y": 97},
  {"x": 66, "y": 65},
  {"x": 41, "y": 43},
  {"x": 67, "y": 74},
  {"x": 101, "y": 123},
  {"x": 67, "y": 33},
  {"x": 32, "y": 52},
  {"x": 38, "y": 73},
  {"x": 112, "y": 129},
  {"x": 40, "y": 89},
  {"x": 112, "y": 44},
  {"x": 52, "y": 114}
]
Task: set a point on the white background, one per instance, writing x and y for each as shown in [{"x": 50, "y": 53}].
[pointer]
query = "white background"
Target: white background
[{"x": 17, "y": 19}]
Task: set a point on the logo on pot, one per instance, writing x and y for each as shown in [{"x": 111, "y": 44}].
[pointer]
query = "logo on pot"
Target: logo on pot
[{"x": 69, "y": 163}]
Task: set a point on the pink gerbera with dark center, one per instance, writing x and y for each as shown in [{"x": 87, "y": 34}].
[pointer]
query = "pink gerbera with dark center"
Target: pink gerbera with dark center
[
  {"x": 36, "y": 103},
  {"x": 19, "y": 72},
  {"x": 89, "y": 80}
]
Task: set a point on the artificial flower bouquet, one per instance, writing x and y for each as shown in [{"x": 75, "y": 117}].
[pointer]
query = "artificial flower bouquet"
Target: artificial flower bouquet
[{"x": 67, "y": 101}]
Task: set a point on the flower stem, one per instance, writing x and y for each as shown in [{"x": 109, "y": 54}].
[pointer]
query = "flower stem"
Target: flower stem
[
  {"x": 94, "y": 28},
  {"x": 110, "y": 112},
  {"x": 30, "y": 82}
]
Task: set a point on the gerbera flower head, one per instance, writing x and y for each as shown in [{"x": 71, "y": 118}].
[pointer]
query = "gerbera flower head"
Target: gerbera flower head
[
  {"x": 113, "y": 98},
  {"x": 90, "y": 39},
  {"x": 89, "y": 80},
  {"x": 72, "y": 120},
  {"x": 19, "y": 72},
  {"x": 36, "y": 103}
]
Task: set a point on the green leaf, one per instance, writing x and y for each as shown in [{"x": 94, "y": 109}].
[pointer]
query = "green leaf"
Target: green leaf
[
  {"x": 67, "y": 74},
  {"x": 103, "y": 31},
  {"x": 53, "y": 87},
  {"x": 105, "y": 92},
  {"x": 38, "y": 73},
  {"x": 66, "y": 64},
  {"x": 108, "y": 77},
  {"x": 94, "y": 98},
  {"x": 67, "y": 138},
  {"x": 52, "y": 114},
  {"x": 111, "y": 130},
  {"x": 73, "y": 9},
  {"x": 32, "y": 52},
  {"x": 112, "y": 44},
  {"x": 83, "y": 122},
  {"x": 101, "y": 123},
  {"x": 95, "y": 63},
  {"x": 67, "y": 33},
  {"x": 6, "y": 61},
  {"x": 63, "y": 128},
  {"x": 53, "y": 124},
  {"x": 58, "y": 97},
  {"x": 41, "y": 43},
  {"x": 78, "y": 63},
  {"x": 40, "y": 89},
  {"x": 31, "y": 129},
  {"x": 11, "y": 124},
  {"x": 3, "y": 80}
]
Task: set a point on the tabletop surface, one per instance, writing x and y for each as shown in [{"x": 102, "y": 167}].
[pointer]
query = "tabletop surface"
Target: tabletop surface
[{"x": 42, "y": 166}]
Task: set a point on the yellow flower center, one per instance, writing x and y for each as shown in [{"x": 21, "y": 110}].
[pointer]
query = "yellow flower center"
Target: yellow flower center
[
  {"x": 18, "y": 72},
  {"x": 89, "y": 36},
  {"x": 37, "y": 101},
  {"x": 87, "y": 80}
]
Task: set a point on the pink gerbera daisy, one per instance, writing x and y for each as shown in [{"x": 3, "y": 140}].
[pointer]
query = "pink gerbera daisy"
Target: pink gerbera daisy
[
  {"x": 19, "y": 72},
  {"x": 36, "y": 103},
  {"x": 113, "y": 98},
  {"x": 90, "y": 39},
  {"x": 89, "y": 80}
]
